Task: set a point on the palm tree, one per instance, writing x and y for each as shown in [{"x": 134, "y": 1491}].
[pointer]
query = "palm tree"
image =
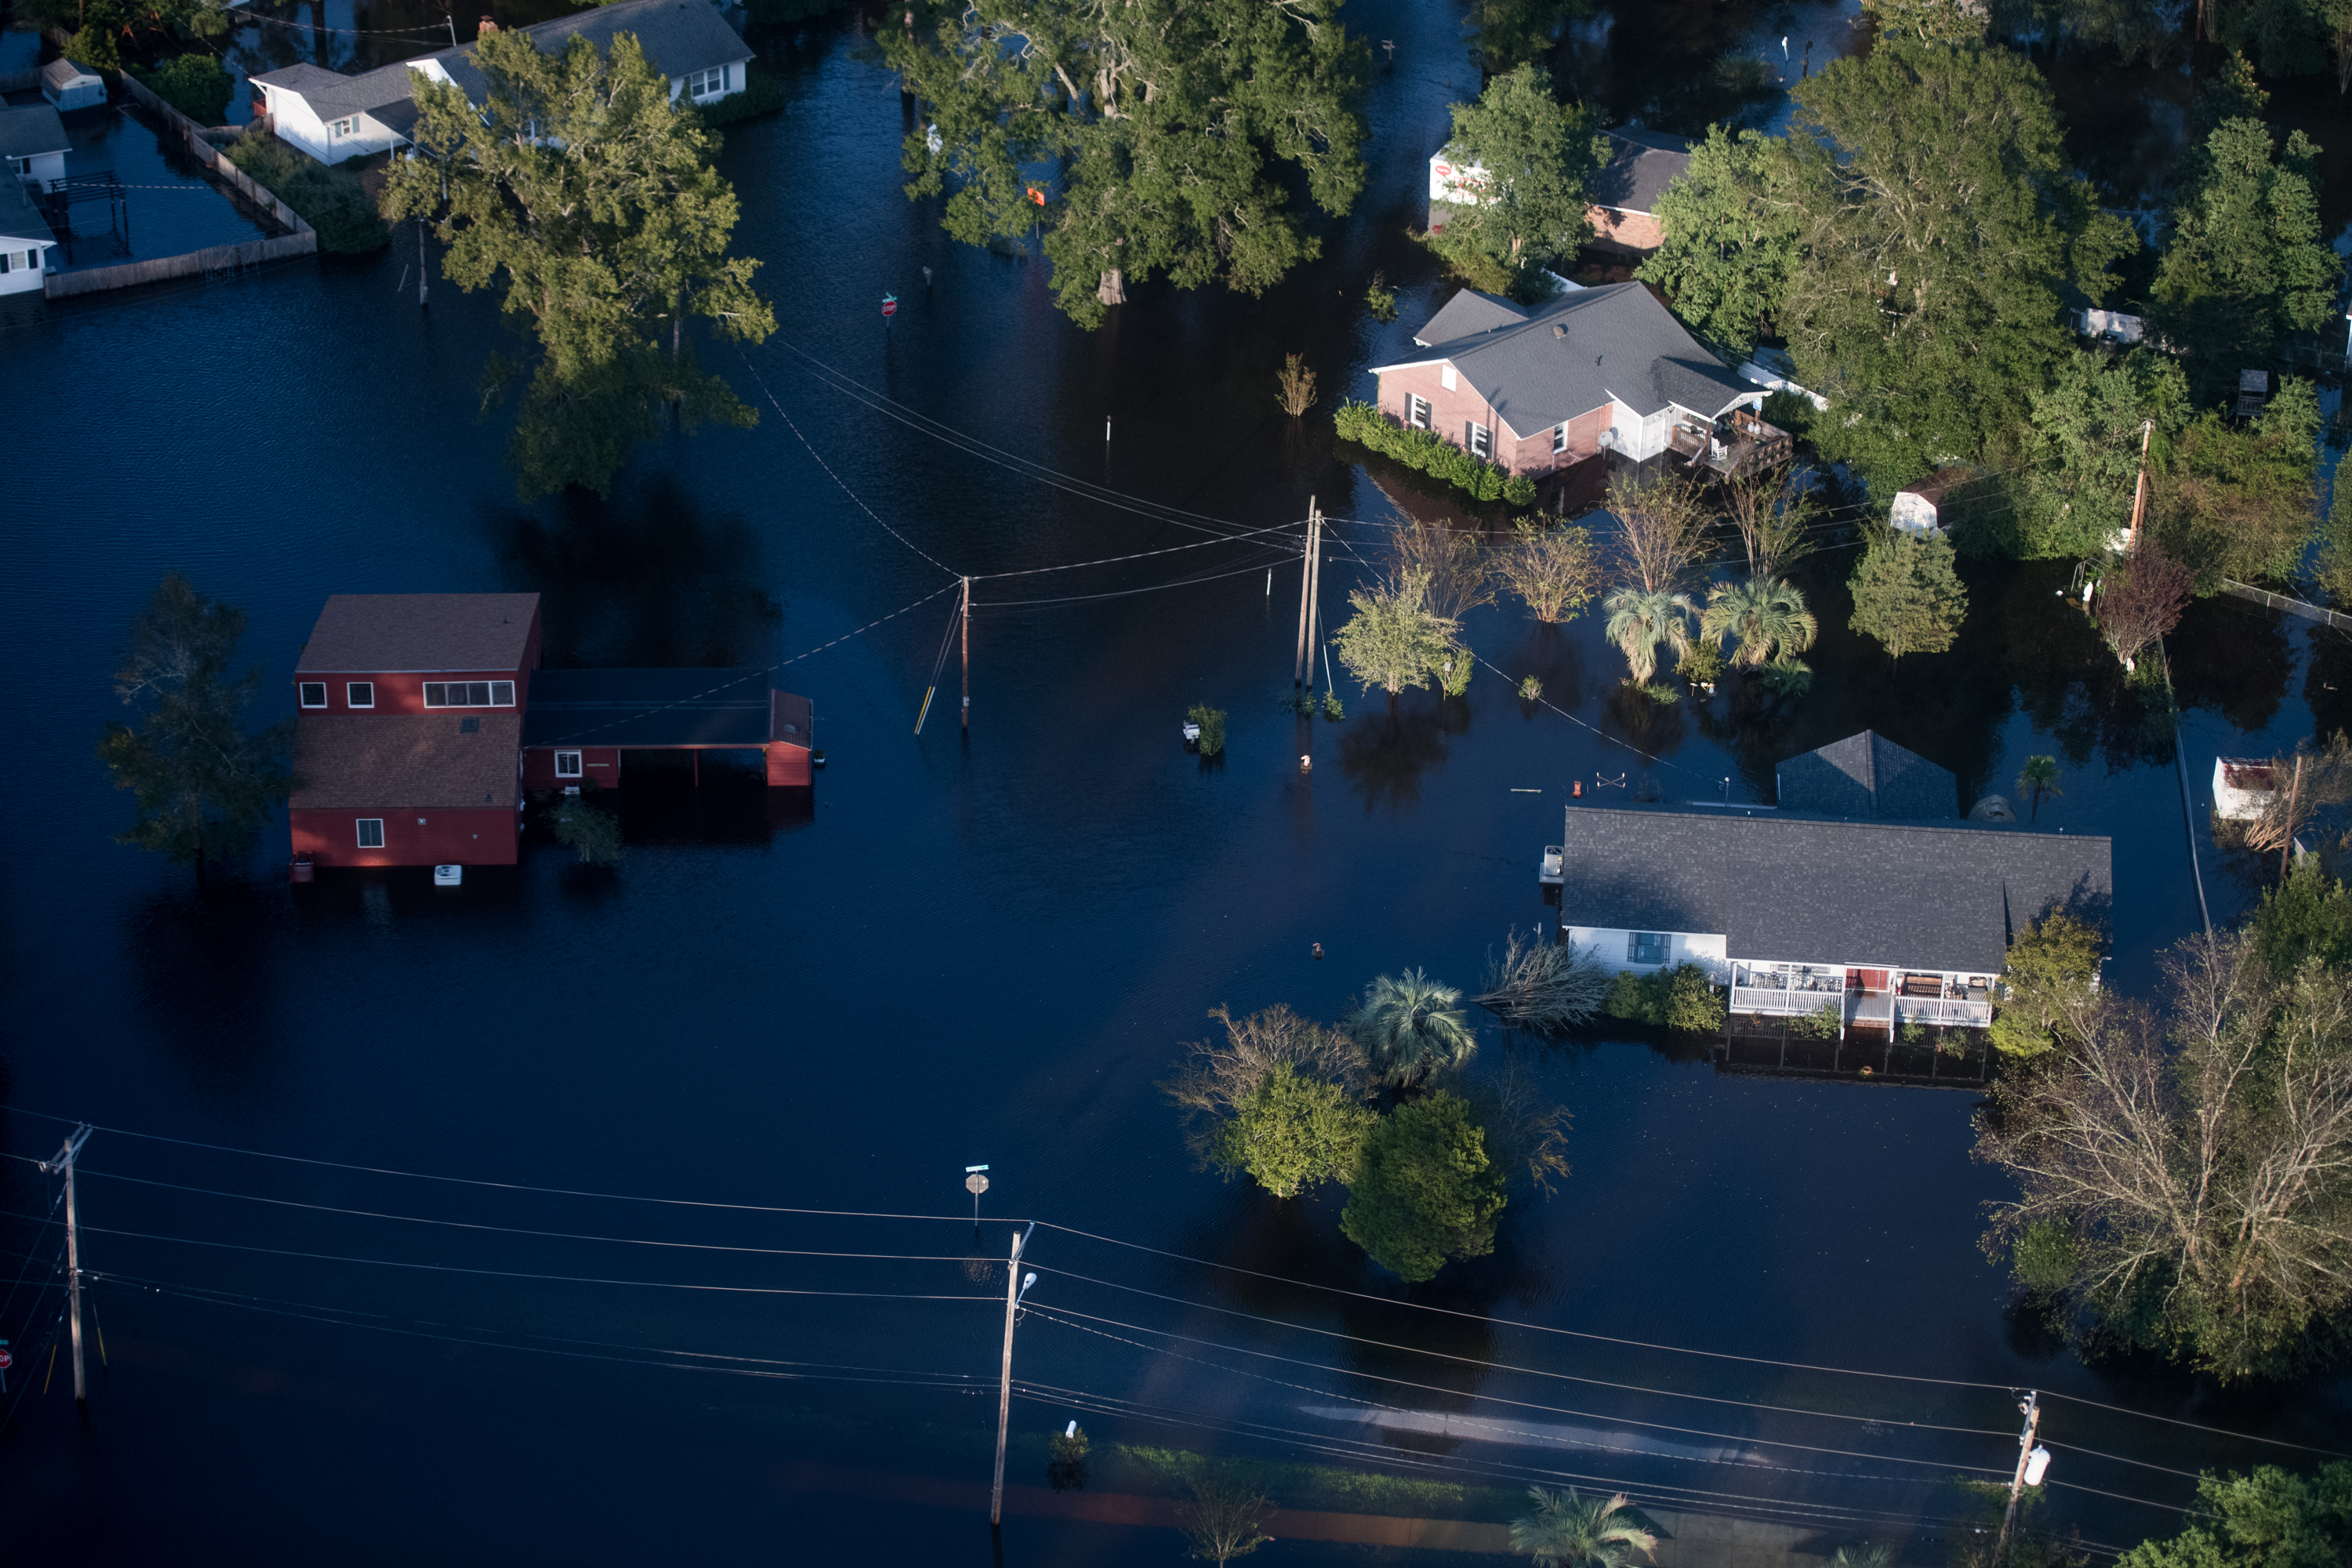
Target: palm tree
[
  {"x": 1570, "y": 1531},
  {"x": 1642, "y": 619},
  {"x": 1413, "y": 1027},
  {"x": 1869, "y": 1554},
  {"x": 2039, "y": 777},
  {"x": 1767, "y": 615}
]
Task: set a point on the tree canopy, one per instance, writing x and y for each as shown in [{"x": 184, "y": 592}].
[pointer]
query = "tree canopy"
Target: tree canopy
[
  {"x": 1730, "y": 222},
  {"x": 1395, "y": 640},
  {"x": 1424, "y": 1189},
  {"x": 2081, "y": 462},
  {"x": 1907, "y": 596},
  {"x": 1941, "y": 222},
  {"x": 202, "y": 780},
  {"x": 1154, "y": 135},
  {"x": 595, "y": 201},
  {"x": 1536, "y": 154},
  {"x": 1292, "y": 1133},
  {"x": 2241, "y": 501},
  {"x": 2271, "y": 1519}
]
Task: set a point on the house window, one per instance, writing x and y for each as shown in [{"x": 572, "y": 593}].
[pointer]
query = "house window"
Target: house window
[
  {"x": 371, "y": 832},
  {"x": 1416, "y": 411},
  {"x": 314, "y": 694},
  {"x": 707, "y": 84},
  {"x": 1560, "y": 439},
  {"x": 359, "y": 693},
  {"x": 1645, "y": 947},
  {"x": 470, "y": 694},
  {"x": 346, "y": 127},
  {"x": 1481, "y": 442},
  {"x": 567, "y": 764},
  {"x": 1445, "y": 376}
]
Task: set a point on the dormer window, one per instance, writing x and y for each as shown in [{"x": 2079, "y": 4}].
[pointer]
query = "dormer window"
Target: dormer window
[
  {"x": 313, "y": 693},
  {"x": 360, "y": 694}
]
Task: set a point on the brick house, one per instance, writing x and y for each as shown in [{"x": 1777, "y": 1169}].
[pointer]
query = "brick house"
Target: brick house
[
  {"x": 1539, "y": 388},
  {"x": 1623, "y": 198}
]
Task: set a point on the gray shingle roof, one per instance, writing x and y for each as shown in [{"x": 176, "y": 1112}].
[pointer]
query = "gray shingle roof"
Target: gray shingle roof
[
  {"x": 367, "y": 633},
  {"x": 1616, "y": 341},
  {"x": 31, "y": 130},
  {"x": 1868, "y": 775},
  {"x": 1641, "y": 164},
  {"x": 332, "y": 96},
  {"x": 1466, "y": 315},
  {"x": 19, "y": 218},
  {"x": 1787, "y": 888}
]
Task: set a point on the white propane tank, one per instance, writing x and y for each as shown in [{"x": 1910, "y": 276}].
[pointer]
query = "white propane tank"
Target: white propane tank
[{"x": 2037, "y": 1465}]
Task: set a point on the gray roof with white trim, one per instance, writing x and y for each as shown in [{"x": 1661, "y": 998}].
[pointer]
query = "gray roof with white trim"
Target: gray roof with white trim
[
  {"x": 1642, "y": 164},
  {"x": 31, "y": 130},
  {"x": 1544, "y": 365},
  {"x": 1791, "y": 889},
  {"x": 1868, "y": 775}
]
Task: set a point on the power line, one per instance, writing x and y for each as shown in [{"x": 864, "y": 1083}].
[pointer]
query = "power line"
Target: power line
[
  {"x": 1253, "y": 565},
  {"x": 346, "y": 32}
]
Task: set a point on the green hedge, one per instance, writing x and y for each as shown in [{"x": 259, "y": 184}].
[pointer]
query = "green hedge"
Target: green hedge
[
  {"x": 1432, "y": 454},
  {"x": 1677, "y": 998},
  {"x": 762, "y": 94},
  {"x": 195, "y": 85},
  {"x": 331, "y": 200}
]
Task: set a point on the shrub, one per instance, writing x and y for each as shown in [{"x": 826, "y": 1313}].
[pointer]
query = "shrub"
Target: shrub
[
  {"x": 1530, "y": 690},
  {"x": 762, "y": 94},
  {"x": 1430, "y": 453},
  {"x": 1454, "y": 675},
  {"x": 1702, "y": 665},
  {"x": 1213, "y": 727},
  {"x": 1291, "y": 1133},
  {"x": 1822, "y": 1024},
  {"x": 1382, "y": 302},
  {"x": 1425, "y": 1189},
  {"x": 1681, "y": 997},
  {"x": 329, "y": 200},
  {"x": 1331, "y": 708},
  {"x": 195, "y": 85},
  {"x": 1067, "y": 1470},
  {"x": 94, "y": 46},
  {"x": 590, "y": 829}
]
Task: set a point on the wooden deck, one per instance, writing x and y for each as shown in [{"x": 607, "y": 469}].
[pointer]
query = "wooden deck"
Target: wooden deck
[{"x": 1752, "y": 1045}]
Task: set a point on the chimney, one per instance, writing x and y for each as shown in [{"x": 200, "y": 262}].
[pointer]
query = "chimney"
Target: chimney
[{"x": 488, "y": 24}]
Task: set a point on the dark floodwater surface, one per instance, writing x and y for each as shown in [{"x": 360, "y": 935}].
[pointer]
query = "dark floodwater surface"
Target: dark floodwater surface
[{"x": 982, "y": 950}]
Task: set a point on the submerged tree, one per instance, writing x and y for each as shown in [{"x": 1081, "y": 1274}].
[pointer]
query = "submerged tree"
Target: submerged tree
[
  {"x": 591, "y": 829},
  {"x": 1535, "y": 155},
  {"x": 1731, "y": 222},
  {"x": 2270, "y": 1519},
  {"x": 1567, "y": 1531},
  {"x": 202, "y": 782},
  {"x": 1907, "y": 595},
  {"x": 2240, "y": 502},
  {"x": 1424, "y": 1189},
  {"x": 2142, "y": 600},
  {"x": 1661, "y": 529},
  {"x": 595, "y": 200},
  {"x": 1171, "y": 126},
  {"x": 1641, "y": 621},
  {"x": 1412, "y": 1028},
  {"x": 2037, "y": 778},
  {"x": 1449, "y": 563},
  {"x": 1766, "y": 616},
  {"x": 1280, "y": 1098},
  {"x": 1394, "y": 639},
  {"x": 1551, "y": 570},
  {"x": 1545, "y": 987},
  {"x": 1773, "y": 510},
  {"x": 2051, "y": 975},
  {"x": 1224, "y": 1519}
]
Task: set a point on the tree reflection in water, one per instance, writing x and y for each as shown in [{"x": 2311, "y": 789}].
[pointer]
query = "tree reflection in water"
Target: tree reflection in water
[
  {"x": 1384, "y": 754},
  {"x": 1650, "y": 727},
  {"x": 2232, "y": 657},
  {"x": 1549, "y": 654}
]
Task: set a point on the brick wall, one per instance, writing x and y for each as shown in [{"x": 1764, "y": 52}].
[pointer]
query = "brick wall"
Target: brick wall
[
  {"x": 1450, "y": 412},
  {"x": 1639, "y": 232}
]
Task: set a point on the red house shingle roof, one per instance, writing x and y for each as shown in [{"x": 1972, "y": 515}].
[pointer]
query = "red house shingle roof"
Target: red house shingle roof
[
  {"x": 366, "y": 633},
  {"x": 389, "y": 760}
]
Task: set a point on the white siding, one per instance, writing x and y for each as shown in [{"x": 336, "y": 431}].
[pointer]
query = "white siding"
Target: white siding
[
  {"x": 26, "y": 260},
  {"x": 41, "y": 167},
  {"x": 1612, "y": 947}
]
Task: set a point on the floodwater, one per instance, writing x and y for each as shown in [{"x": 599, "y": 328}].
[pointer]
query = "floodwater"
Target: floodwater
[{"x": 967, "y": 950}]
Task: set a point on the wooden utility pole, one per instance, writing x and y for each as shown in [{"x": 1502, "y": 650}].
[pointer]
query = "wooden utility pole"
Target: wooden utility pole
[
  {"x": 422, "y": 302},
  {"x": 1306, "y": 575},
  {"x": 2140, "y": 489},
  {"x": 2294, "y": 798},
  {"x": 65, "y": 1161},
  {"x": 1314, "y": 595},
  {"x": 967, "y": 656},
  {"x": 2032, "y": 1408},
  {"x": 1004, "y": 1384}
]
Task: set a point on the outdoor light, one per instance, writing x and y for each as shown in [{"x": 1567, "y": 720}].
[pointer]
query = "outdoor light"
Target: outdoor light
[{"x": 1032, "y": 1280}]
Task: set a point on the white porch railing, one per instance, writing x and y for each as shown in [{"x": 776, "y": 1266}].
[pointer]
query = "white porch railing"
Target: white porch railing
[
  {"x": 1942, "y": 1010},
  {"x": 1784, "y": 1001}
]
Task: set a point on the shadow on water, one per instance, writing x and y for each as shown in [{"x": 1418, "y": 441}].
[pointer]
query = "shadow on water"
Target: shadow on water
[
  {"x": 647, "y": 579},
  {"x": 205, "y": 979},
  {"x": 1547, "y": 654},
  {"x": 1384, "y": 756},
  {"x": 2232, "y": 659}
]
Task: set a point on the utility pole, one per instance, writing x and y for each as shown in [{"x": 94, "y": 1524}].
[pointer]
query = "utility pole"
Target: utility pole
[
  {"x": 65, "y": 1161},
  {"x": 2016, "y": 1483},
  {"x": 1013, "y": 1289},
  {"x": 1314, "y": 595},
  {"x": 1305, "y": 576},
  {"x": 967, "y": 656},
  {"x": 2139, "y": 488},
  {"x": 2293, "y": 799},
  {"x": 422, "y": 302}
]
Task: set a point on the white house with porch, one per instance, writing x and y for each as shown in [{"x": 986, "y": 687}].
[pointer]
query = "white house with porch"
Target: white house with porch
[
  {"x": 25, "y": 241},
  {"x": 333, "y": 117},
  {"x": 33, "y": 140},
  {"x": 1884, "y": 919}
]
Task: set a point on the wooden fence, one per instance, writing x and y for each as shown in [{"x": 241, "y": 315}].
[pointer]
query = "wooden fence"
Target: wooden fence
[
  {"x": 20, "y": 81},
  {"x": 2309, "y": 612},
  {"x": 303, "y": 240}
]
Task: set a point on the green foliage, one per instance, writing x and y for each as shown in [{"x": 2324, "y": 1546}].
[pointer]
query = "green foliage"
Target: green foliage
[
  {"x": 1766, "y": 616},
  {"x": 1570, "y": 1531},
  {"x": 2043, "y": 1257},
  {"x": 2049, "y": 973},
  {"x": 1731, "y": 224},
  {"x": 1213, "y": 727},
  {"x": 1382, "y": 302},
  {"x": 1429, "y": 452},
  {"x": 2082, "y": 456},
  {"x": 1292, "y": 1134},
  {"x": 1424, "y": 1189},
  {"x": 1787, "y": 677},
  {"x": 1395, "y": 640},
  {"x": 201, "y": 782},
  {"x": 594, "y": 202},
  {"x": 2037, "y": 778},
  {"x": 94, "y": 46},
  {"x": 1332, "y": 709},
  {"x": 1933, "y": 21},
  {"x": 1907, "y": 595},
  {"x": 331, "y": 200},
  {"x": 2306, "y": 918},
  {"x": 2241, "y": 501},
  {"x": 1702, "y": 665},
  {"x": 2332, "y": 570},
  {"x": 1941, "y": 225},
  {"x": 591, "y": 829},
  {"x": 762, "y": 94},
  {"x": 1681, "y": 997},
  {"x": 1823, "y": 1023},
  {"x": 1412, "y": 1028},
  {"x": 1507, "y": 33},
  {"x": 1536, "y": 154},
  {"x": 2246, "y": 262},
  {"x": 195, "y": 84},
  {"x": 2271, "y": 1519},
  {"x": 1639, "y": 622},
  {"x": 1173, "y": 126},
  {"x": 1530, "y": 689},
  {"x": 1066, "y": 1470}
]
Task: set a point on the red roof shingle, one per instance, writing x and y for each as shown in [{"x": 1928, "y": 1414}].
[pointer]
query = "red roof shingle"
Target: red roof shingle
[
  {"x": 364, "y": 634},
  {"x": 405, "y": 760}
]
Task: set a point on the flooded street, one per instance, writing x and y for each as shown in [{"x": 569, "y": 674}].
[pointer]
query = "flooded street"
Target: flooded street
[{"x": 971, "y": 950}]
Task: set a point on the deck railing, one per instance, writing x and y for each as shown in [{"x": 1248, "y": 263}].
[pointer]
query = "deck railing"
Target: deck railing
[
  {"x": 1800, "y": 999},
  {"x": 1942, "y": 1010}
]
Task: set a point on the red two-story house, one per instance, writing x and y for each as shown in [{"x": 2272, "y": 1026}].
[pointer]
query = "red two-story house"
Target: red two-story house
[
  {"x": 408, "y": 741},
  {"x": 1536, "y": 388}
]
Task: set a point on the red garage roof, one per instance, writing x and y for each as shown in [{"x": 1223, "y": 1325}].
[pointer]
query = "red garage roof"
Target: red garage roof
[
  {"x": 368, "y": 634},
  {"x": 395, "y": 759}
]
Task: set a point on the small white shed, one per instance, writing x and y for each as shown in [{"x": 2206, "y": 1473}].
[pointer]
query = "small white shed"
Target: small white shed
[
  {"x": 2241, "y": 788},
  {"x": 69, "y": 86},
  {"x": 1918, "y": 509}
]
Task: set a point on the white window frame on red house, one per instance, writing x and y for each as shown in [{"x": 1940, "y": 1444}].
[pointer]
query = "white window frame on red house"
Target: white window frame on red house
[
  {"x": 1416, "y": 410},
  {"x": 1560, "y": 439},
  {"x": 359, "y": 831},
  {"x": 573, "y": 772},
  {"x": 497, "y": 693},
  {"x": 359, "y": 694},
  {"x": 1481, "y": 439},
  {"x": 303, "y": 689}
]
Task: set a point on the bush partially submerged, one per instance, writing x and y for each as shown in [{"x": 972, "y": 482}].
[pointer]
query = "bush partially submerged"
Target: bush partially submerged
[
  {"x": 1433, "y": 453},
  {"x": 331, "y": 200},
  {"x": 195, "y": 85},
  {"x": 1545, "y": 988},
  {"x": 1681, "y": 997}
]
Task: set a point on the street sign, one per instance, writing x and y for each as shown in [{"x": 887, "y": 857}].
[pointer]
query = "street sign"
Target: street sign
[
  {"x": 974, "y": 1184},
  {"x": 7, "y": 1361},
  {"x": 967, "y": 1170},
  {"x": 889, "y": 306}
]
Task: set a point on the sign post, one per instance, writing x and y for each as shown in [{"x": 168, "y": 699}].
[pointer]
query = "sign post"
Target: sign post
[
  {"x": 889, "y": 307},
  {"x": 975, "y": 1184}
]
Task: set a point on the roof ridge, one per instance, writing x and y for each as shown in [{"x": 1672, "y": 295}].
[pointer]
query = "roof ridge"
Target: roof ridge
[{"x": 1758, "y": 812}]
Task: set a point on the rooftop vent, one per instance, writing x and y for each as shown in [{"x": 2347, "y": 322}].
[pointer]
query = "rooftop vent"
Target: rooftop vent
[{"x": 1558, "y": 330}]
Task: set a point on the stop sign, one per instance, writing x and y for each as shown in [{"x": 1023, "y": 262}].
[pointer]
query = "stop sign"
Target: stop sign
[
  {"x": 890, "y": 305},
  {"x": 7, "y": 1361}
]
